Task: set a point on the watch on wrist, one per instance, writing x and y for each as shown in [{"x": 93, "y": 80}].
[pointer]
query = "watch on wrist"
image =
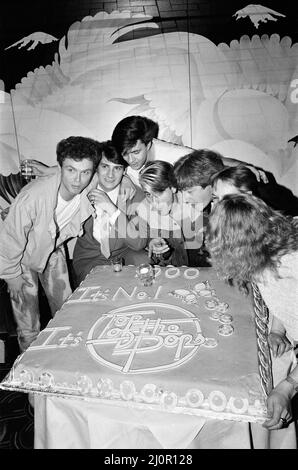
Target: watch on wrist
[{"x": 293, "y": 382}]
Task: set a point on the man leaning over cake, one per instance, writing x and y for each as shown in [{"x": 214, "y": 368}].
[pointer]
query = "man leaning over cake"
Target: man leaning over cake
[{"x": 46, "y": 213}]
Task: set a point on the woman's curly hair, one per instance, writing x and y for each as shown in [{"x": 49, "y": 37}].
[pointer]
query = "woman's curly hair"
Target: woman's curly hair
[{"x": 245, "y": 237}]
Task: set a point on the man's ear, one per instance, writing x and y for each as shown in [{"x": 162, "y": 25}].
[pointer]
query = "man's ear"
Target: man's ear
[
  {"x": 149, "y": 145},
  {"x": 174, "y": 190}
]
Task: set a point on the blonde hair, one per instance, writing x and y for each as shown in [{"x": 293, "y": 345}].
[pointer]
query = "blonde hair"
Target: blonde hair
[{"x": 157, "y": 176}]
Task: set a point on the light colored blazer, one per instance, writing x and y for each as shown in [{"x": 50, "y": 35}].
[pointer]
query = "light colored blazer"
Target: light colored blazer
[{"x": 28, "y": 234}]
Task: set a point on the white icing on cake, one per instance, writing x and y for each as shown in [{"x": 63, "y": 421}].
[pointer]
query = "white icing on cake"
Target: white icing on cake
[
  {"x": 169, "y": 334},
  {"x": 120, "y": 342}
]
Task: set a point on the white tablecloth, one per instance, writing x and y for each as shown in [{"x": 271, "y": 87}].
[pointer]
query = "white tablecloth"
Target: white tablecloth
[{"x": 70, "y": 423}]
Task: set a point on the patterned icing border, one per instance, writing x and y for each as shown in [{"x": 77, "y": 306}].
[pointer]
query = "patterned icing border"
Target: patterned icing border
[
  {"x": 261, "y": 323},
  {"x": 214, "y": 405}
]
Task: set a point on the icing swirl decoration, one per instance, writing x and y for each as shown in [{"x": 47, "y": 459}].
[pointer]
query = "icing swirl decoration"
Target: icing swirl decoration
[
  {"x": 149, "y": 393},
  {"x": 105, "y": 387},
  {"x": 26, "y": 376},
  {"x": 194, "y": 398},
  {"x": 46, "y": 379}
]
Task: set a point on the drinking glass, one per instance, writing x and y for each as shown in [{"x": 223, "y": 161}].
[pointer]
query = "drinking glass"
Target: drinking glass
[
  {"x": 117, "y": 264},
  {"x": 145, "y": 274},
  {"x": 26, "y": 170}
]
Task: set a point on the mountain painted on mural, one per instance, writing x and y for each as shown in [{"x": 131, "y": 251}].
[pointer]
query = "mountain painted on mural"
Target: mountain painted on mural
[
  {"x": 258, "y": 14},
  {"x": 33, "y": 40}
]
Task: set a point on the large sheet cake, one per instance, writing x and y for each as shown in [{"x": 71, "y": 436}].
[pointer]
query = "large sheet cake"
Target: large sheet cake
[{"x": 185, "y": 344}]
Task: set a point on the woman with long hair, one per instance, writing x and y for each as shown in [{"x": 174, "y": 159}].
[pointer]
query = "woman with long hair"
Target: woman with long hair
[{"x": 250, "y": 242}]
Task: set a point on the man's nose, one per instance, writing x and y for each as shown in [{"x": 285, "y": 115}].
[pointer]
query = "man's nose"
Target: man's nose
[
  {"x": 78, "y": 176},
  {"x": 128, "y": 158},
  {"x": 110, "y": 172}
]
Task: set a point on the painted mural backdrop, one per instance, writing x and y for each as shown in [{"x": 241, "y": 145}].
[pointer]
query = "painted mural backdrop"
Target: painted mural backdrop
[{"x": 237, "y": 96}]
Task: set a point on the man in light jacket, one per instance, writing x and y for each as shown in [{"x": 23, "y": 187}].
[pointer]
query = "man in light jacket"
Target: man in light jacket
[{"x": 46, "y": 213}]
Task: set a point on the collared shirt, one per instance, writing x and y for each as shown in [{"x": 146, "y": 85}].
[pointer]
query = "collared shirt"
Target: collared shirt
[{"x": 113, "y": 195}]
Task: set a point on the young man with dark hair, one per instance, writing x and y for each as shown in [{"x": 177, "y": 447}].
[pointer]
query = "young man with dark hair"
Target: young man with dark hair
[
  {"x": 115, "y": 231},
  {"x": 132, "y": 129},
  {"x": 194, "y": 174},
  {"x": 136, "y": 139},
  {"x": 46, "y": 213}
]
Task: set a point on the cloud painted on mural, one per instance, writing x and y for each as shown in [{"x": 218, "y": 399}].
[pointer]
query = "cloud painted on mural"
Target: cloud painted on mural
[
  {"x": 258, "y": 14},
  {"x": 36, "y": 38},
  {"x": 239, "y": 92}
]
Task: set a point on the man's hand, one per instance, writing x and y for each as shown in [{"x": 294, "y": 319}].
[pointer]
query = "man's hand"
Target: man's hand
[
  {"x": 4, "y": 212},
  {"x": 16, "y": 287},
  {"x": 126, "y": 194},
  {"x": 40, "y": 169},
  {"x": 279, "y": 406},
  {"x": 157, "y": 246},
  {"x": 101, "y": 199},
  {"x": 278, "y": 343},
  {"x": 259, "y": 174}
]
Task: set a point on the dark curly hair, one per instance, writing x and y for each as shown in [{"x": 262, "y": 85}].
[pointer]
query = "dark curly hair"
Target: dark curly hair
[
  {"x": 78, "y": 148},
  {"x": 245, "y": 236}
]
